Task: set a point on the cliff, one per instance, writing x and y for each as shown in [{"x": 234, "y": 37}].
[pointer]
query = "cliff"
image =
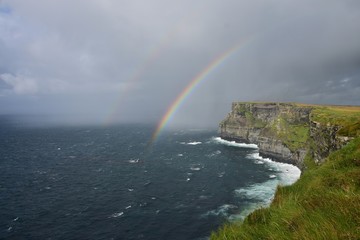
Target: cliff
[
  {"x": 287, "y": 131},
  {"x": 325, "y": 202}
]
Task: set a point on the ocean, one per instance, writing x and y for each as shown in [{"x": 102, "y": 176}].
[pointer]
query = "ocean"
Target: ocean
[{"x": 109, "y": 183}]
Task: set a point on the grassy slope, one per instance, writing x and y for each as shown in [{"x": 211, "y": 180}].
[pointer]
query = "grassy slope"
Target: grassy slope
[{"x": 323, "y": 204}]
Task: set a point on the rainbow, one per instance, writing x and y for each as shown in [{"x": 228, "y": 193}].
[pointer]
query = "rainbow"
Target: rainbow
[
  {"x": 136, "y": 76},
  {"x": 192, "y": 85}
]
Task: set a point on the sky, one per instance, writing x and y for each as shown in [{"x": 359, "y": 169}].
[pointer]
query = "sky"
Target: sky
[{"x": 116, "y": 61}]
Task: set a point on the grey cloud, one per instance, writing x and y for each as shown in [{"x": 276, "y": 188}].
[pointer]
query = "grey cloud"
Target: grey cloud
[{"x": 130, "y": 59}]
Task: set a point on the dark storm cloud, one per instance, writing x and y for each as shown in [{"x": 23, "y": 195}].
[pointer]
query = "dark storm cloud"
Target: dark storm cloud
[{"x": 105, "y": 61}]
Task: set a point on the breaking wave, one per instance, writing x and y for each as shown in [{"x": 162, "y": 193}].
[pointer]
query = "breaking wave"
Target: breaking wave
[
  {"x": 233, "y": 143},
  {"x": 256, "y": 196},
  {"x": 261, "y": 194},
  {"x": 287, "y": 174},
  {"x": 224, "y": 211},
  {"x": 191, "y": 143}
]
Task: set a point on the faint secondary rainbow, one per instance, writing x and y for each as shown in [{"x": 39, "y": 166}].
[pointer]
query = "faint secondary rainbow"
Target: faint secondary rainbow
[
  {"x": 192, "y": 85},
  {"x": 146, "y": 64}
]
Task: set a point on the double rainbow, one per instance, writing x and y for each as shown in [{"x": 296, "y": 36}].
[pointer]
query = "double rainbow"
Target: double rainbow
[{"x": 174, "y": 106}]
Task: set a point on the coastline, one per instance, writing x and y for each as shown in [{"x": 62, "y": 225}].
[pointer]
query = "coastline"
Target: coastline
[
  {"x": 321, "y": 140},
  {"x": 287, "y": 175}
]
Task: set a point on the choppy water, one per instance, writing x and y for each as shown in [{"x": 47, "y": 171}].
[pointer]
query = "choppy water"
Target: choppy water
[{"x": 106, "y": 183}]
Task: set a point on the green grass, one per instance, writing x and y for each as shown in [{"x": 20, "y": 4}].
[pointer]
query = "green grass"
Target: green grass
[
  {"x": 323, "y": 204},
  {"x": 347, "y": 117},
  {"x": 255, "y": 122},
  {"x": 294, "y": 136}
]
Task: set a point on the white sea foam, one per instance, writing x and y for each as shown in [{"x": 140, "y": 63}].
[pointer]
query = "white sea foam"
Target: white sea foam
[
  {"x": 259, "y": 162},
  {"x": 233, "y": 143},
  {"x": 128, "y": 207},
  {"x": 195, "y": 168},
  {"x": 258, "y": 194},
  {"x": 133, "y": 160},
  {"x": 286, "y": 173},
  {"x": 217, "y": 152},
  {"x": 194, "y": 143},
  {"x": 118, "y": 214},
  {"x": 224, "y": 211},
  {"x": 263, "y": 193}
]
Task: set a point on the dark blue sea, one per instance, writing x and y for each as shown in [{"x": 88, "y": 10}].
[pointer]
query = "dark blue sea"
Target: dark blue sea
[{"x": 109, "y": 183}]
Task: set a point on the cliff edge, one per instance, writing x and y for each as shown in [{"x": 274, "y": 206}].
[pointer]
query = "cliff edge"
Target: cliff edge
[
  {"x": 289, "y": 131},
  {"x": 325, "y": 202}
]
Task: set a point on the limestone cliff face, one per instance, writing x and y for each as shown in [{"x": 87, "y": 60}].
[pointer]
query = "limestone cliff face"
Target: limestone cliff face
[
  {"x": 283, "y": 131},
  {"x": 324, "y": 139}
]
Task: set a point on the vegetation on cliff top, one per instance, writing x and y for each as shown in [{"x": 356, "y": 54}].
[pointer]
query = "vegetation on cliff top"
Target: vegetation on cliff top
[
  {"x": 346, "y": 117},
  {"x": 294, "y": 136},
  {"x": 323, "y": 204}
]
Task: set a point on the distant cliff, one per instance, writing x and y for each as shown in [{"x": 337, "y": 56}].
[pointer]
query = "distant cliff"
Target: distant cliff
[{"x": 288, "y": 131}]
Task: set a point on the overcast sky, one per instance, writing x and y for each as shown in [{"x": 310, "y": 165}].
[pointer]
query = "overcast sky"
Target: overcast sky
[{"x": 107, "y": 61}]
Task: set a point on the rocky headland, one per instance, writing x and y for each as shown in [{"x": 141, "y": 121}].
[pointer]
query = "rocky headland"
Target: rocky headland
[{"x": 284, "y": 131}]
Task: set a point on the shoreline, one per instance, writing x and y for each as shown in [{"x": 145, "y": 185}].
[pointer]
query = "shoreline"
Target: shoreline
[
  {"x": 263, "y": 153},
  {"x": 264, "y": 159}
]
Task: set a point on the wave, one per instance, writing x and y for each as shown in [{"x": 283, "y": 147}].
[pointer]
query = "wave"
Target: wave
[
  {"x": 133, "y": 160},
  {"x": 195, "y": 168},
  {"x": 262, "y": 194},
  {"x": 286, "y": 173},
  {"x": 257, "y": 195},
  {"x": 191, "y": 143},
  {"x": 217, "y": 152},
  {"x": 221, "y": 174},
  {"x": 233, "y": 143},
  {"x": 224, "y": 211},
  {"x": 118, "y": 214}
]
